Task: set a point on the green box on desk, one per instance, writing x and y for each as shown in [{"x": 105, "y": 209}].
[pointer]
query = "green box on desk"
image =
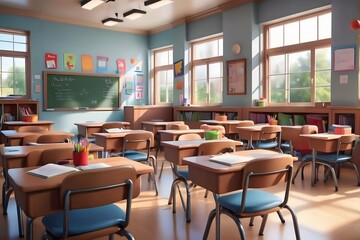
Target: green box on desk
[{"x": 211, "y": 134}]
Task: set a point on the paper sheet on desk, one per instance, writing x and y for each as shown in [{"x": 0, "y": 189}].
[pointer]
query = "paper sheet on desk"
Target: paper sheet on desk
[
  {"x": 230, "y": 159},
  {"x": 114, "y": 130}
]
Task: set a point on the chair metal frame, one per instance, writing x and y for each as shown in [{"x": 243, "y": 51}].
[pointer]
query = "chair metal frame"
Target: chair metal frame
[
  {"x": 259, "y": 174},
  {"x": 134, "y": 143},
  {"x": 74, "y": 190},
  {"x": 270, "y": 133}
]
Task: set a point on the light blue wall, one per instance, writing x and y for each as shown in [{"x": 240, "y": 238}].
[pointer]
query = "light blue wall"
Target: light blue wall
[{"x": 62, "y": 38}]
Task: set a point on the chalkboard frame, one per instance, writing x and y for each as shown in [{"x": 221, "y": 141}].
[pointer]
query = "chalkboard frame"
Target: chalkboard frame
[{"x": 46, "y": 106}]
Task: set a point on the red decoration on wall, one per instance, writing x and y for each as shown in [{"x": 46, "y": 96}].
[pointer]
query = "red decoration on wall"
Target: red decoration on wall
[{"x": 355, "y": 24}]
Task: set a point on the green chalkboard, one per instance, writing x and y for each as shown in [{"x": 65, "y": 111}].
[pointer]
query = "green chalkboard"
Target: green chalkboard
[{"x": 79, "y": 91}]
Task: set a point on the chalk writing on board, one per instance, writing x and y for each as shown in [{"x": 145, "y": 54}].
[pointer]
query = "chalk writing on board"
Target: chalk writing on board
[{"x": 71, "y": 91}]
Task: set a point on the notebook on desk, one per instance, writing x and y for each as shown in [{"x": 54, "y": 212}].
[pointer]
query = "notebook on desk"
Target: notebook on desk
[
  {"x": 230, "y": 159},
  {"x": 114, "y": 130}
]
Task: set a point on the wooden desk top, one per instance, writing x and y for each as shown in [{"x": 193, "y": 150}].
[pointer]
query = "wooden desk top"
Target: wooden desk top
[
  {"x": 99, "y": 124},
  {"x": 323, "y": 142},
  {"x": 161, "y": 123},
  {"x": 21, "y": 123},
  {"x": 13, "y": 134},
  {"x": 172, "y": 135},
  {"x": 22, "y": 151},
  {"x": 120, "y": 134},
  {"x": 235, "y": 122},
  {"x": 220, "y": 178}
]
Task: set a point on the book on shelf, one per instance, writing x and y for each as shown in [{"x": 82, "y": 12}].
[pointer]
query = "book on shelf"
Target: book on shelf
[
  {"x": 229, "y": 159},
  {"x": 52, "y": 169}
]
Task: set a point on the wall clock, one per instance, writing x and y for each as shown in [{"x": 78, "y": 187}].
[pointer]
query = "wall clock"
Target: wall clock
[{"x": 236, "y": 48}]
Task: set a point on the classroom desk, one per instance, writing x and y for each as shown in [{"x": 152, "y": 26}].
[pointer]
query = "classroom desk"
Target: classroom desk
[
  {"x": 250, "y": 134},
  {"x": 175, "y": 151},
  {"x": 154, "y": 126},
  {"x": 14, "y": 138},
  {"x": 15, "y": 157},
  {"x": 321, "y": 142},
  {"x": 87, "y": 129},
  {"x": 219, "y": 178},
  {"x": 38, "y": 196},
  {"x": 229, "y": 125},
  {"x": 173, "y": 135},
  {"x": 111, "y": 141},
  {"x": 14, "y": 125}
]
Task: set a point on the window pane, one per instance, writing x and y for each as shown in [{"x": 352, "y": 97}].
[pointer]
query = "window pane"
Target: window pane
[
  {"x": 300, "y": 62},
  {"x": 323, "y": 58},
  {"x": 215, "y": 70},
  {"x": 200, "y": 91},
  {"x": 19, "y": 47},
  {"x": 215, "y": 90},
  {"x": 277, "y": 96},
  {"x": 325, "y": 26},
  {"x": 6, "y": 37},
  {"x": 162, "y": 58},
  {"x": 207, "y": 49},
  {"x": 276, "y": 38},
  {"x": 291, "y": 33},
  {"x": 200, "y": 72},
  {"x": 19, "y": 38},
  {"x": 323, "y": 78},
  {"x": 8, "y": 46},
  {"x": 277, "y": 64},
  {"x": 7, "y": 64},
  {"x": 308, "y": 30},
  {"x": 300, "y": 80},
  {"x": 323, "y": 94},
  {"x": 300, "y": 95},
  {"x": 277, "y": 82}
]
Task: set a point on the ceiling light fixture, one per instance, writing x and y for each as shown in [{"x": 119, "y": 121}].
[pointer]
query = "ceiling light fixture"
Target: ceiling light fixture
[
  {"x": 134, "y": 14},
  {"x": 91, "y": 4},
  {"x": 111, "y": 21},
  {"x": 154, "y": 4}
]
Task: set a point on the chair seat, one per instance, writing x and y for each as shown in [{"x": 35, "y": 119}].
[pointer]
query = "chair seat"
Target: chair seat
[
  {"x": 267, "y": 145},
  {"x": 85, "y": 220},
  {"x": 332, "y": 158},
  {"x": 184, "y": 174},
  {"x": 256, "y": 200},
  {"x": 134, "y": 155}
]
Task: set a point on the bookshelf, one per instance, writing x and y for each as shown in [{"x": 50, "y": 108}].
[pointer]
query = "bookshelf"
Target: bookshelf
[
  {"x": 192, "y": 114},
  {"x": 346, "y": 116},
  {"x": 13, "y": 109}
]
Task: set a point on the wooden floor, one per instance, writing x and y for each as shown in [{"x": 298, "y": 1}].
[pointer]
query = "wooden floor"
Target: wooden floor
[{"x": 322, "y": 213}]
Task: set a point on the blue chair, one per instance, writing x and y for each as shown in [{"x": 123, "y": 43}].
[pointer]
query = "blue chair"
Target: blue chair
[
  {"x": 254, "y": 200},
  {"x": 136, "y": 147},
  {"x": 343, "y": 155},
  {"x": 270, "y": 138},
  {"x": 83, "y": 218}
]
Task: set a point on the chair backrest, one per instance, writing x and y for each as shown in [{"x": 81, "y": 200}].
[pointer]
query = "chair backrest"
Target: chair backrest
[
  {"x": 53, "y": 138},
  {"x": 216, "y": 146},
  {"x": 246, "y": 123},
  {"x": 179, "y": 127},
  {"x": 110, "y": 125},
  {"x": 301, "y": 144},
  {"x": 53, "y": 155},
  {"x": 264, "y": 173},
  {"x": 34, "y": 129},
  {"x": 270, "y": 132},
  {"x": 138, "y": 141},
  {"x": 189, "y": 136},
  {"x": 103, "y": 186},
  {"x": 346, "y": 143}
]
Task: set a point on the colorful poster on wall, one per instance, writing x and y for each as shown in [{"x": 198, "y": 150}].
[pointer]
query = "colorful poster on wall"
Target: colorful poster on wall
[
  {"x": 139, "y": 90},
  {"x": 121, "y": 66},
  {"x": 179, "y": 68},
  {"x": 86, "y": 63},
  {"x": 179, "y": 84},
  {"x": 69, "y": 61},
  {"x": 51, "y": 60},
  {"x": 102, "y": 64}
]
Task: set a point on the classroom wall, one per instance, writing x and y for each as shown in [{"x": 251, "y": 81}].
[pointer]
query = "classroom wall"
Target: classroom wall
[{"x": 63, "y": 38}]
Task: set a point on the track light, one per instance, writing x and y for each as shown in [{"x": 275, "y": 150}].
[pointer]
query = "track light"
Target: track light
[
  {"x": 112, "y": 21},
  {"x": 91, "y": 4},
  {"x": 154, "y": 4},
  {"x": 134, "y": 14}
]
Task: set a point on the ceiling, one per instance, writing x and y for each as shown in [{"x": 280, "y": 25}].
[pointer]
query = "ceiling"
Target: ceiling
[{"x": 70, "y": 11}]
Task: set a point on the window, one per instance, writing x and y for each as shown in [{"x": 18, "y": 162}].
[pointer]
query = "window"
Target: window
[
  {"x": 14, "y": 63},
  {"x": 298, "y": 60},
  {"x": 163, "y": 75},
  {"x": 207, "y": 71}
]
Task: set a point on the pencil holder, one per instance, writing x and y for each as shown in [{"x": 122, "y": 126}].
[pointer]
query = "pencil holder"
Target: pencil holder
[
  {"x": 80, "y": 158},
  {"x": 211, "y": 134}
]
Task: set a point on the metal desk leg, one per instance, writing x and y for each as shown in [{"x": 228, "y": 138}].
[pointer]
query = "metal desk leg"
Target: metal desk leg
[
  {"x": 20, "y": 221},
  {"x": 217, "y": 216},
  {"x": 313, "y": 168},
  {"x": 29, "y": 228}
]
